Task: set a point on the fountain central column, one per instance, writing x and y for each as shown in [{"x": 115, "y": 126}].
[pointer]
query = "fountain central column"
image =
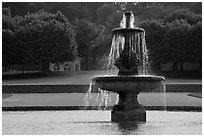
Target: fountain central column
[{"x": 128, "y": 108}]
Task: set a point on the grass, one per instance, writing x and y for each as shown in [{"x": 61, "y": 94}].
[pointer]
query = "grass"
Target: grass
[{"x": 70, "y": 78}]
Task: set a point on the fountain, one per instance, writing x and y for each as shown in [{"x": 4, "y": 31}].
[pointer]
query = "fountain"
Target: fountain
[{"x": 128, "y": 57}]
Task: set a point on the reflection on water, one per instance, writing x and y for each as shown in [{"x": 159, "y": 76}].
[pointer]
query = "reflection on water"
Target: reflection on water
[{"x": 127, "y": 128}]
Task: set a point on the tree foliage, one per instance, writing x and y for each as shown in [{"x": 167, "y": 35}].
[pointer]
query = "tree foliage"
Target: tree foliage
[
  {"x": 11, "y": 51},
  {"x": 8, "y": 22},
  {"x": 43, "y": 37},
  {"x": 87, "y": 35},
  {"x": 52, "y": 41},
  {"x": 183, "y": 14},
  {"x": 173, "y": 29},
  {"x": 104, "y": 13},
  {"x": 194, "y": 46},
  {"x": 156, "y": 41},
  {"x": 176, "y": 41}
]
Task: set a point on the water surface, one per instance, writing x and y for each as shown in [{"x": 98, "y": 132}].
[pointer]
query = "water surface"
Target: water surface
[{"x": 99, "y": 123}]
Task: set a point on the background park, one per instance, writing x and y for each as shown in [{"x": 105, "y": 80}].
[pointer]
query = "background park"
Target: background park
[
  {"x": 77, "y": 36},
  {"x": 52, "y": 50}
]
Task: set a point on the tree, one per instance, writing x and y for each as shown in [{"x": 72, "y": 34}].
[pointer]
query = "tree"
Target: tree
[
  {"x": 157, "y": 43},
  {"x": 6, "y": 12},
  {"x": 47, "y": 42},
  {"x": 87, "y": 34},
  {"x": 196, "y": 7},
  {"x": 167, "y": 42},
  {"x": 43, "y": 38},
  {"x": 8, "y": 22},
  {"x": 194, "y": 44},
  {"x": 183, "y": 14},
  {"x": 41, "y": 15},
  {"x": 75, "y": 10},
  {"x": 177, "y": 40},
  {"x": 148, "y": 10},
  {"x": 104, "y": 12},
  {"x": 113, "y": 21},
  {"x": 101, "y": 50},
  {"x": 11, "y": 51}
]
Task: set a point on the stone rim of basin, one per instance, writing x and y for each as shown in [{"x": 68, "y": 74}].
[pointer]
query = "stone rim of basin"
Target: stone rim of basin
[{"x": 130, "y": 78}]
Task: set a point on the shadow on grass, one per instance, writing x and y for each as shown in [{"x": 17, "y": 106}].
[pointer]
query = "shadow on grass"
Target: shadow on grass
[
  {"x": 24, "y": 76},
  {"x": 187, "y": 74},
  {"x": 62, "y": 108},
  {"x": 31, "y": 75},
  {"x": 6, "y": 95}
]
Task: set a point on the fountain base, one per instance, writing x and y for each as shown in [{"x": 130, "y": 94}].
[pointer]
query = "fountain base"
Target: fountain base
[
  {"x": 128, "y": 108},
  {"x": 136, "y": 115}
]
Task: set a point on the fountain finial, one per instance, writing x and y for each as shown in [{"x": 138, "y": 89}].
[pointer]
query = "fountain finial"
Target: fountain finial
[{"x": 128, "y": 20}]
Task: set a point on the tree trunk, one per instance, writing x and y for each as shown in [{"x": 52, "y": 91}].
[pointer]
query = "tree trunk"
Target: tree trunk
[
  {"x": 175, "y": 66},
  {"x": 6, "y": 68},
  {"x": 95, "y": 63},
  {"x": 45, "y": 66},
  {"x": 87, "y": 62},
  {"x": 158, "y": 67},
  {"x": 200, "y": 64},
  {"x": 23, "y": 69},
  {"x": 58, "y": 67},
  {"x": 181, "y": 66}
]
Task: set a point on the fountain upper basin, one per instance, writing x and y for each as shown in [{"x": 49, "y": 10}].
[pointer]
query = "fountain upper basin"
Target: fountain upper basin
[
  {"x": 127, "y": 30},
  {"x": 138, "y": 83}
]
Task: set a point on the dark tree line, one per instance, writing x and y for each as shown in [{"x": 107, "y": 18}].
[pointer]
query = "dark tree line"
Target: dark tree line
[
  {"x": 38, "y": 38},
  {"x": 173, "y": 31},
  {"x": 177, "y": 38}
]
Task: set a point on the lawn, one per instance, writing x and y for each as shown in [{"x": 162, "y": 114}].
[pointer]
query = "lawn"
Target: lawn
[{"x": 76, "y": 78}]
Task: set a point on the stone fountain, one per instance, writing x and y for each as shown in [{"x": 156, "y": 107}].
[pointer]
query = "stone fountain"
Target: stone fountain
[{"x": 128, "y": 55}]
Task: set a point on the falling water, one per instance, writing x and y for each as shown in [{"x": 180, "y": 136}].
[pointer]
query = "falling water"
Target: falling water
[
  {"x": 117, "y": 46},
  {"x": 100, "y": 99},
  {"x": 97, "y": 98},
  {"x": 137, "y": 44},
  {"x": 164, "y": 90},
  {"x": 152, "y": 90}
]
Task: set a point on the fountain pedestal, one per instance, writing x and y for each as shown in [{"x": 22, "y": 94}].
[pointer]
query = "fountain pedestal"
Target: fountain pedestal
[{"x": 128, "y": 109}]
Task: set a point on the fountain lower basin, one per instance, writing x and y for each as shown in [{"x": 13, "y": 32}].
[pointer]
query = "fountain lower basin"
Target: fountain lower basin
[
  {"x": 137, "y": 83},
  {"x": 128, "y": 109}
]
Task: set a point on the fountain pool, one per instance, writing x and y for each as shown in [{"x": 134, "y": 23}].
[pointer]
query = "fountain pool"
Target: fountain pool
[{"x": 99, "y": 123}]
